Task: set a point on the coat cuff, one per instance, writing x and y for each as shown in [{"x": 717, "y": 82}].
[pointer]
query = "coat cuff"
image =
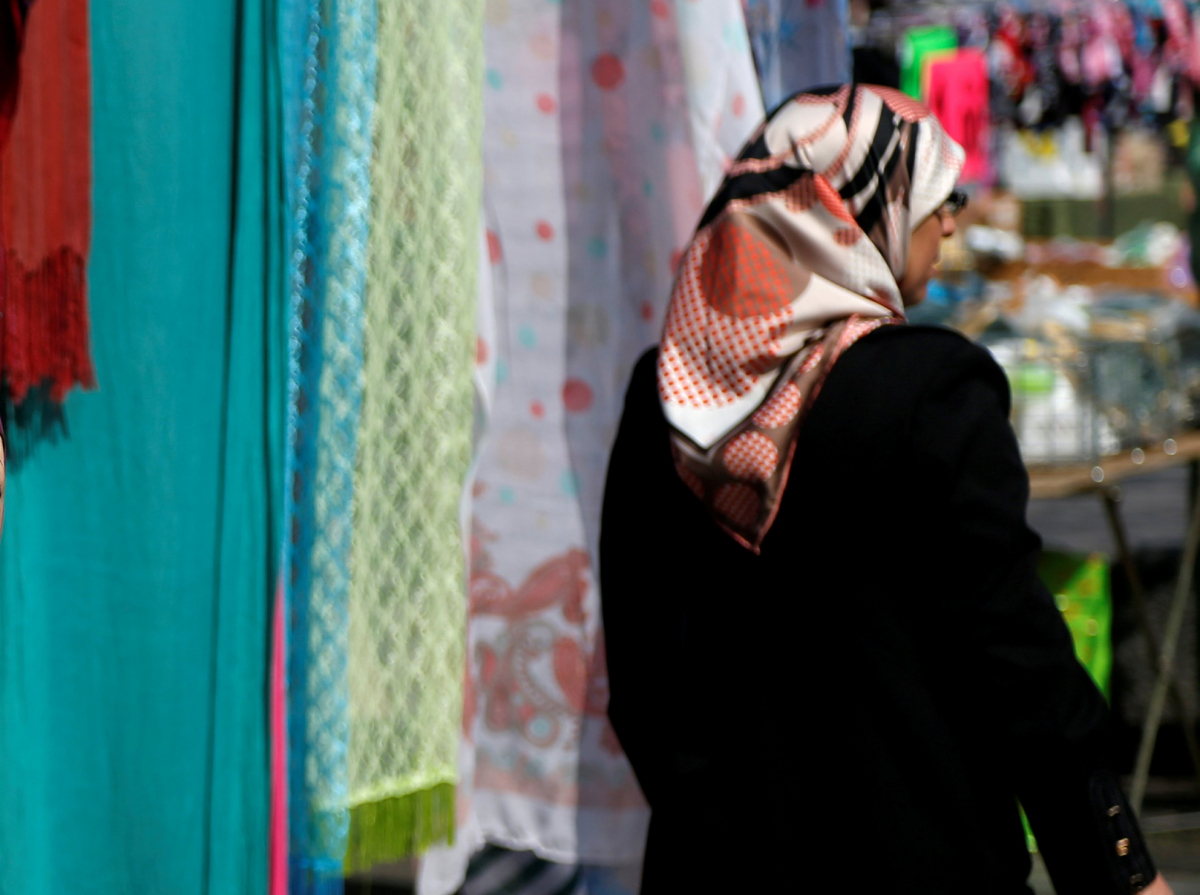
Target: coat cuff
[{"x": 1128, "y": 860}]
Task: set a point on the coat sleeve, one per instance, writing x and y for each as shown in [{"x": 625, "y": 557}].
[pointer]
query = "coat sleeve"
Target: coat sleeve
[{"x": 1047, "y": 721}]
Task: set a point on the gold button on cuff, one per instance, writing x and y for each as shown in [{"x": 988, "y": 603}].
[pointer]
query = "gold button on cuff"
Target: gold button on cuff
[
  {"x": 1122, "y": 847},
  {"x": 1114, "y": 810}
]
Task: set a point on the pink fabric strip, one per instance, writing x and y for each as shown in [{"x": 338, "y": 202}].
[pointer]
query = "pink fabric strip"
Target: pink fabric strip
[{"x": 279, "y": 801}]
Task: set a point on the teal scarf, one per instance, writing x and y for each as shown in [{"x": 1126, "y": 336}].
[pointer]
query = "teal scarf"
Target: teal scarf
[{"x": 140, "y": 545}]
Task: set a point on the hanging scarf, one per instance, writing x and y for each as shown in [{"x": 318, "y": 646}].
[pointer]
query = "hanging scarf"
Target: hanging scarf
[
  {"x": 797, "y": 257},
  {"x": 601, "y": 120},
  {"x": 45, "y": 197},
  {"x": 328, "y": 52},
  {"x": 407, "y": 596},
  {"x": 798, "y": 44}
]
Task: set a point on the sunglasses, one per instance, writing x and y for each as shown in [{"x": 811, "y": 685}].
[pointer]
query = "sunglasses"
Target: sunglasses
[{"x": 955, "y": 203}]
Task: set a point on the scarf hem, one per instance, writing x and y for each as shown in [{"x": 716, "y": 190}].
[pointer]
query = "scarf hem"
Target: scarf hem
[
  {"x": 46, "y": 331},
  {"x": 398, "y": 827}
]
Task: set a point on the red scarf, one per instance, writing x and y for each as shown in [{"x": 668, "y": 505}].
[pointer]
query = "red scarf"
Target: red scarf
[{"x": 45, "y": 196}]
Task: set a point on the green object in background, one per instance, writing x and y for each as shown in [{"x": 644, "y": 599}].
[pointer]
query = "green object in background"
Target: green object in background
[
  {"x": 1129, "y": 211},
  {"x": 1085, "y": 218},
  {"x": 1050, "y": 218},
  {"x": 1032, "y": 378},
  {"x": 1080, "y": 585},
  {"x": 915, "y": 47}
]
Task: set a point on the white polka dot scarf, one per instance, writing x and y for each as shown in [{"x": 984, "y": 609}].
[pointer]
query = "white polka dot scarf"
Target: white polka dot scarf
[{"x": 797, "y": 257}]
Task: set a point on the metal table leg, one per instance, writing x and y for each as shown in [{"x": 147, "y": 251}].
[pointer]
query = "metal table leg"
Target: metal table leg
[
  {"x": 1125, "y": 554},
  {"x": 1166, "y": 661}
]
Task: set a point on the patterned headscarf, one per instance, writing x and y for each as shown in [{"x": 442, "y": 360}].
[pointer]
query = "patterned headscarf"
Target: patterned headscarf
[{"x": 798, "y": 256}]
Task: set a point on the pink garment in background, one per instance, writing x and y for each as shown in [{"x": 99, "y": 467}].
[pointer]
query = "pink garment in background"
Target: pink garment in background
[
  {"x": 279, "y": 802},
  {"x": 958, "y": 98}
]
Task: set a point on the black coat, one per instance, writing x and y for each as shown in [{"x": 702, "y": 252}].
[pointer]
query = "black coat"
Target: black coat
[{"x": 865, "y": 701}]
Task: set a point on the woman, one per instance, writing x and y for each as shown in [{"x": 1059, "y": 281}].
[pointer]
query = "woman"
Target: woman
[{"x": 832, "y": 663}]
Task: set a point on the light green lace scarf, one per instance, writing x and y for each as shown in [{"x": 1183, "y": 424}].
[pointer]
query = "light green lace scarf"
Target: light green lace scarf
[{"x": 408, "y": 593}]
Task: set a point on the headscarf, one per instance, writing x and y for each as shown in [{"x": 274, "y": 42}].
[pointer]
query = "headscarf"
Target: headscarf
[{"x": 798, "y": 256}]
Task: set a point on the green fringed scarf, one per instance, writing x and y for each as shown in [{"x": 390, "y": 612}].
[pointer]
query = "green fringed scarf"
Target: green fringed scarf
[{"x": 408, "y": 589}]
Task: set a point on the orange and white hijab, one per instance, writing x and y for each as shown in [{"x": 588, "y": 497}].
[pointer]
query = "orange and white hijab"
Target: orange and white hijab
[{"x": 798, "y": 256}]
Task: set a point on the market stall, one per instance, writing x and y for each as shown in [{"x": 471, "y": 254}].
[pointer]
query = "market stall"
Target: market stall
[{"x": 1073, "y": 263}]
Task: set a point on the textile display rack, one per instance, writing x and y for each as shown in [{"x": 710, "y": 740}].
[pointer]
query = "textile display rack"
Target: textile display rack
[{"x": 1103, "y": 479}]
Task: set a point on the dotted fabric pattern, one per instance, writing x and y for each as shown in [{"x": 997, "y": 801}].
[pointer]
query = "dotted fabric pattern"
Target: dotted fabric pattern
[
  {"x": 602, "y": 119},
  {"x": 751, "y": 456},
  {"x": 703, "y": 343},
  {"x": 780, "y": 407},
  {"x": 740, "y": 478},
  {"x": 740, "y": 275}
]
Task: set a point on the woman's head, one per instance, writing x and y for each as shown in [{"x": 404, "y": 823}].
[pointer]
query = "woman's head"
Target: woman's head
[
  {"x": 842, "y": 177},
  {"x": 826, "y": 226}
]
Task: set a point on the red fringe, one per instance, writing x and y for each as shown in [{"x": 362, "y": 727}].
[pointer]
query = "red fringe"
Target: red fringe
[{"x": 45, "y": 326}]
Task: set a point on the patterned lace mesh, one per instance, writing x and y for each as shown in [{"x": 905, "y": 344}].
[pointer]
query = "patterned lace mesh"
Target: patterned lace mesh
[
  {"x": 329, "y": 197},
  {"x": 407, "y": 602}
]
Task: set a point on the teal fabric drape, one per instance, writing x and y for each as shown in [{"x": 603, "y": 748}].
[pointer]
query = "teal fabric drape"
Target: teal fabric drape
[{"x": 141, "y": 541}]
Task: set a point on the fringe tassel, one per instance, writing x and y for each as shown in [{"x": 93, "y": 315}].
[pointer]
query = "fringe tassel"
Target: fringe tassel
[
  {"x": 400, "y": 827},
  {"x": 46, "y": 338}
]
